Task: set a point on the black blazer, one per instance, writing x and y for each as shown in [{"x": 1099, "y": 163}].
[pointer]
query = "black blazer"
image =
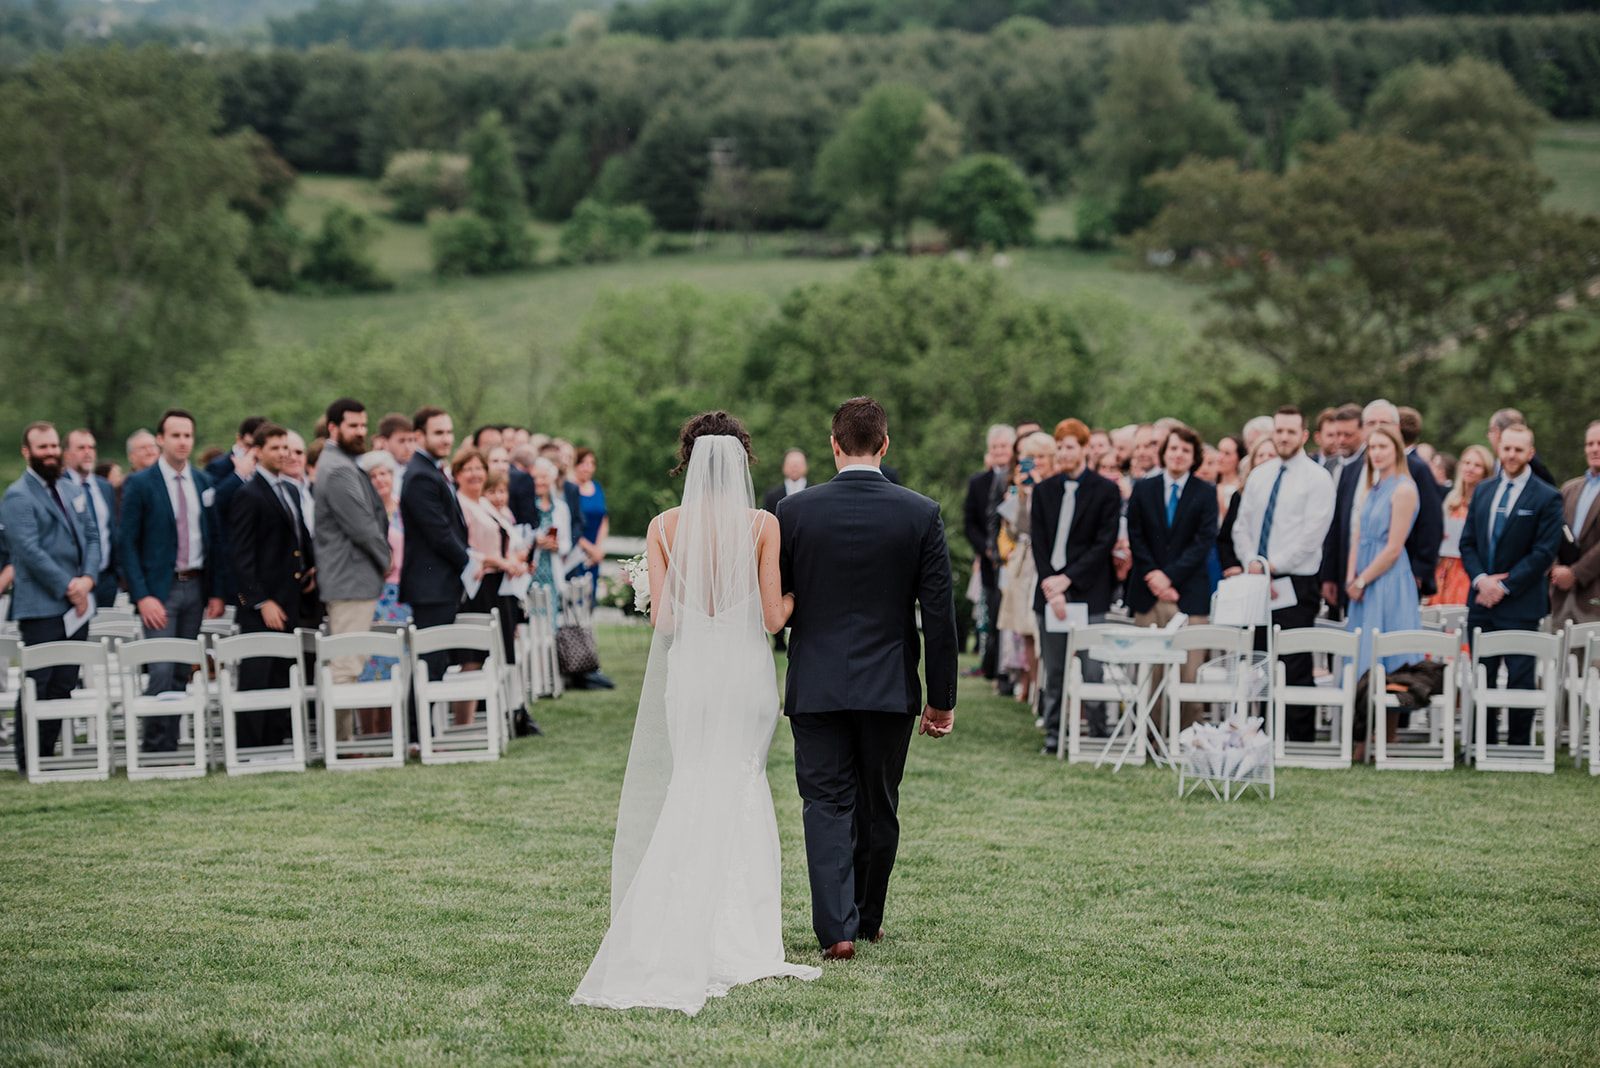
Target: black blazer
[
  {"x": 859, "y": 554},
  {"x": 975, "y": 513},
  {"x": 268, "y": 563},
  {"x": 1525, "y": 552},
  {"x": 1226, "y": 556},
  {"x": 1180, "y": 551},
  {"x": 524, "y": 498},
  {"x": 1095, "y": 517},
  {"x": 436, "y": 535},
  {"x": 774, "y": 496},
  {"x": 1422, "y": 545}
]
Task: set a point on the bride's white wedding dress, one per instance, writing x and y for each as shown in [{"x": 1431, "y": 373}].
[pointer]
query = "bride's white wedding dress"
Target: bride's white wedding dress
[{"x": 695, "y": 894}]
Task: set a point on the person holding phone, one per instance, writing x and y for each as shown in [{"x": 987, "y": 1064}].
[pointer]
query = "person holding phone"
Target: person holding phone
[
  {"x": 553, "y": 522},
  {"x": 1036, "y": 462}
]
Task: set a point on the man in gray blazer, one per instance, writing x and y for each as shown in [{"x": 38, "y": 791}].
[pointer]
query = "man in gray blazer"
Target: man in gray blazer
[
  {"x": 55, "y": 549},
  {"x": 352, "y": 537}
]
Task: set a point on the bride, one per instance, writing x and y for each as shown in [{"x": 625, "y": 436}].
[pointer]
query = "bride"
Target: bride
[{"x": 695, "y": 903}]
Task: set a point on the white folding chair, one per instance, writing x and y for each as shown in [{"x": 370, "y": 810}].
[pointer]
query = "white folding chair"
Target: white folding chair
[
  {"x": 133, "y": 659},
  {"x": 10, "y": 689},
  {"x": 1071, "y": 743},
  {"x": 446, "y": 743},
  {"x": 1342, "y": 646},
  {"x": 1591, "y": 700},
  {"x": 367, "y": 750},
  {"x": 1211, "y": 686},
  {"x": 308, "y": 656},
  {"x": 1546, "y": 652},
  {"x": 1438, "y": 752},
  {"x": 92, "y": 704},
  {"x": 507, "y": 676},
  {"x": 1576, "y": 641},
  {"x": 229, "y": 653},
  {"x": 540, "y": 665}
]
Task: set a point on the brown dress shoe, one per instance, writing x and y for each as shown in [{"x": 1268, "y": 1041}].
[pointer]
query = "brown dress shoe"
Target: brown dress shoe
[
  {"x": 879, "y": 936},
  {"x": 839, "y": 951}
]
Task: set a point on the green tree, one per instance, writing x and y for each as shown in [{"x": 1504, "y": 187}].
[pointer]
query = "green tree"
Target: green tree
[
  {"x": 119, "y": 268},
  {"x": 1470, "y": 107},
  {"x": 563, "y": 178},
  {"x": 339, "y": 259},
  {"x": 888, "y": 154},
  {"x": 416, "y": 182},
  {"x": 493, "y": 235},
  {"x": 597, "y": 233},
  {"x": 1319, "y": 120},
  {"x": 268, "y": 258},
  {"x": 985, "y": 200}
]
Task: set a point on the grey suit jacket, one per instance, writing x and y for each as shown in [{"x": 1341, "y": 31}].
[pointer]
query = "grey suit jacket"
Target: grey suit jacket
[
  {"x": 352, "y": 536},
  {"x": 47, "y": 549}
]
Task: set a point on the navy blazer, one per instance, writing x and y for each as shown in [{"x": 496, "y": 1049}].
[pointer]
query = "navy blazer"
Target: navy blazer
[
  {"x": 1095, "y": 517},
  {"x": 1422, "y": 544},
  {"x": 1525, "y": 552},
  {"x": 147, "y": 534},
  {"x": 268, "y": 563},
  {"x": 860, "y": 554},
  {"x": 524, "y": 498},
  {"x": 47, "y": 549},
  {"x": 436, "y": 535},
  {"x": 1180, "y": 550}
]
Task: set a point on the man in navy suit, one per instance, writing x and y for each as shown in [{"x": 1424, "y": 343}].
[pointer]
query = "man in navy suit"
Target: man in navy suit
[
  {"x": 1512, "y": 532},
  {"x": 1172, "y": 525},
  {"x": 436, "y": 532},
  {"x": 170, "y": 556},
  {"x": 55, "y": 549},
  {"x": 100, "y": 501}
]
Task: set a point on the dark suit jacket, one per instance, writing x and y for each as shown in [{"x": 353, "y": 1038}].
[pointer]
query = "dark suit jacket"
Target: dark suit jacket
[
  {"x": 220, "y": 468},
  {"x": 1227, "y": 557},
  {"x": 1422, "y": 544},
  {"x": 1586, "y": 570},
  {"x": 268, "y": 563},
  {"x": 226, "y": 485},
  {"x": 1093, "y": 535},
  {"x": 975, "y": 512},
  {"x": 860, "y": 553},
  {"x": 436, "y": 535},
  {"x": 147, "y": 534},
  {"x": 1525, "y": 552},
  {"x": 524, "y": 501},
  {"x": 772, "y": 498},
  {"x": 1180, "y": 550}
]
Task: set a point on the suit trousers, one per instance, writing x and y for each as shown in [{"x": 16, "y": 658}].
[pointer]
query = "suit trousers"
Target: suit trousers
[
  {"x": 105, "y": 589},
  {"x": 1520, "y": 675},
  {"x": 348, "y": 617},
  {"x": 51, "y": 684},
  {"x": 1299, "y": 721},
  {"x": 848, "y": 766},
  {"x": 1160, "y": 615},
  {"x": 1053, "y": 659},
  {"x": 989, "y": 575},
  {"x": 186, "y": 607},
  {"x": 269, "y": 727}
]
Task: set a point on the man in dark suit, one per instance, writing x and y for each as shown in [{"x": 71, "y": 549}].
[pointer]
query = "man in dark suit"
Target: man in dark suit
[
  {"x": 1172, "y": 525},
  {"x": 436, "y": 532},
  {"x": 860, "y": 554},
  {"x": 1074, "y": 522},
  {"x": 227, "y": 473},
  {"x": 1512, "y": 532},
  {"x": 100, "y": 501},
  {"x": 1427, "y": 533},
  {"x": 1575, "y": 586},
  {"x": 54, "y": 549},
  {"x": 272, "y": 560},
  {"x": 985, "y": 491},
  {"x": 168, "y": 548},
  {"x": 1506, "y": 417},
  {"x": 794, "y": 480}
]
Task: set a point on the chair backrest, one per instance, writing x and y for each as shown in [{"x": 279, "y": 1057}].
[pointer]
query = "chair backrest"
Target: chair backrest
[
  {"x": 8, "y": 652},
  {"x": 474, "y": 619},
  {"x": 1514, "y": 643},
  {"x": 1212, "y": 636},
  {"x": 455, "y": 635},
  {"x": 162, "y": 651},
  {"x": 122, "y": 615},
  {"x": 359, "y": 643},
  {"x": 1440, "y": 646},
  {"x": 123, "y": 630},
  {"x": 1315, "y": 640},
  {"x": 282, "y": 645},
  {"x": 1579, "y": 640},
  {"x": 63, "y": 654}
]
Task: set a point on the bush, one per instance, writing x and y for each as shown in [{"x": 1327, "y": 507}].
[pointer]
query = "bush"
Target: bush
[
  {"x": 470, "y": 244},
  {"x": 1467, "y": 108},
  {"x": 340, "y": 258},
  {"x": 418, "y": 182},
  {"x": 1093, "y": 223},
  {"x": 597, "y": 233},
  {"x": 984, "y": 200},
  {"x": 268, "y": 259}
]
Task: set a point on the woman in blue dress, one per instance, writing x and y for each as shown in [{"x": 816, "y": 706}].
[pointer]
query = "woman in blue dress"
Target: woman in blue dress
[
  {"x": 593, "y": 522},
  {"x": 1383, "y": 592}
]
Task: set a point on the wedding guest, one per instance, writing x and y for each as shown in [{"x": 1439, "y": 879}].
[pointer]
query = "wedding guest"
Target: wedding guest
[
  {"x": 1121, "y": 445},
  {"x": 1443, "y": 466},
  {"x": 1327, "y": 441},
  {"x": 1099, "y": 445},
  {"x": 397, "y": 437},
  {"x": 243, "y": 442},
  {"x": 436, "y": 551},
  {"x": 1508, "y": 417},
  {"x": 313, "y": 454},
  {"x": 486, "y": 438},
  {"x": 1073, "y": 524},
  {"x": 1378, "y": 579},
  {"x": 1575, "y": 586},
  {"x": 555, "y": 450},
  {"x": 100, "y": 499},
  {"x": 1227, "y": 558},
  {"x": 1108, "y": 469},
  {"x": 488, "y": 535},
  {"x": 1231, "y": 468},
  {"x": 794, "y": 480},
  {"x": 596, "y": 524},
  {"x": 142, "y": 450},
  {"x": 1256, "y": 429},
  {"x": 168, "y": 547},
  {"x": 1036, "y": 462},
  {"x": 295, "y": 469},
  {"x": 553, "y": 524},
  {"x": 1422, "y": 547},
  {"x": 209, "y": 455},
  {"x": 497, "y": 492},
  {"x": 52, "y": 550},
  {"x": 1284, "y": 516},
  {"x": 1512, "y": 533},
  {"x": 111, "y": 471},
  {"x": 381, "y": 470},
  {"x": 1450, "y": 580},
  {"x": 1210, "y": 466},
  {"x": 1143, "y": 461},
  {"x": 1172, "y": 528},
  {"x": 499, "y": 458},
  {"x": 985, "y": 491}
]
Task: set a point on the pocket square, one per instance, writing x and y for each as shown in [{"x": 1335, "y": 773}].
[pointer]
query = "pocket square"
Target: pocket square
[
  {"x": 77, "y": 505},
  {"x": 1524, "y": 511},
  {"x": 208, "y": 498}
]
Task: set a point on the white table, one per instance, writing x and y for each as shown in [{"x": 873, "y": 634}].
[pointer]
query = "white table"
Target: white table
[{"x": 1147, "y": 651}]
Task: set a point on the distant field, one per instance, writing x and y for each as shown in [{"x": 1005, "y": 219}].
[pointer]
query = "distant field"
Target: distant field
[{"x": 1570, "y": 154}]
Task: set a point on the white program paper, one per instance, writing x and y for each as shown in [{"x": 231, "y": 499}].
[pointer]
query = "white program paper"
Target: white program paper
[
  {"x": 74, "y": 618},
  {"x": 1283, "y": 594},
  {"x": 1077, "y": 616},
  {"x": 1451, "y": 545}
]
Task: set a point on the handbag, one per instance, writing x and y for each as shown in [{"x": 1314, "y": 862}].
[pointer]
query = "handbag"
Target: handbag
[{"x": 575, "y": 650}]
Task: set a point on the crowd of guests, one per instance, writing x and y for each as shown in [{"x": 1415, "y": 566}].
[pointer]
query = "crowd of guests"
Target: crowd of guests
[
  {"x": 366, "y": 525},
  {"x": 1349, "y": 513}
]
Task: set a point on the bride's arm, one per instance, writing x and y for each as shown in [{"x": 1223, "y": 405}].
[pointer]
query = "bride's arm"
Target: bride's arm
[
  {"x": 776, "y": 606},
  {"x": 656, "y": 556}
]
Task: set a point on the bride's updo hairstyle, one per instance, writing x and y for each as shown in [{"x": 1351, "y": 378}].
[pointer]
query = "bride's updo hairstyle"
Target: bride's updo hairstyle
[{"x": 707, "y": 423}]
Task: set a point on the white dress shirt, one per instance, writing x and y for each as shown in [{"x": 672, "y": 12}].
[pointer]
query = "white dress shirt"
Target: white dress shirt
[
  {"x": 102, "y": 511},
  {"x": 1166, "y": 489},
  {"x": 1299, "y": 522},
  {"x": 183, "y": 482},
  {"x": 861, "y": 467},
  {"x": 791, "y": 486}
]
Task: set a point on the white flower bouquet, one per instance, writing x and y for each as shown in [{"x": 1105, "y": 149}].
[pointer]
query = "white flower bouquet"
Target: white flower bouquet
[{"x": 636, "y": 573}]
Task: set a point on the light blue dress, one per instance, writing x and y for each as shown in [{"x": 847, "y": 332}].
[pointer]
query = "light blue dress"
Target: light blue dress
[{"x": 1390, "y": 602}]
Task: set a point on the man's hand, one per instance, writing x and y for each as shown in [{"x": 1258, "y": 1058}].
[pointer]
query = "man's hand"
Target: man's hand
[
  {"x": 1256, "y": 568},
  {"x": 274, "y": 616},
  {"x": 214, "y": 608},
  {"x": 78, "y": 591},
  {"x": 937, "y": 723},
  {"x": 1157, "y": 581},
  {"x": 1169, "y": 595},
  {"x": 153, "y": 613},
  {"x": 1490, "y": 591},
  {"x": 1330, "y": 593},
  {"x": 1232, "y": 571},
  {"x": 1054, "y": 586},
  {"x": 1562, "y": 577}
]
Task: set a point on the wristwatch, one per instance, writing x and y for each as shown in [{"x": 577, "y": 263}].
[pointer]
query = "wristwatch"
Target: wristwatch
[{"x": 1360, "y": 583}]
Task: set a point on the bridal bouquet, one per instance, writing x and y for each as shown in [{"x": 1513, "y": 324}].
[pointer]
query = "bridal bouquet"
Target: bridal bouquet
[{"x": 636, "y": 573}]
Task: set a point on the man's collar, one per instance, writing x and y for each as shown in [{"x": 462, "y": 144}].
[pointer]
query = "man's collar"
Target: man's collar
[
  {"x": 77, "y": 479},
  {"x": 168, "y": 471},
  {"x": 861, "y": 467},
  {"x": 1181, "y": 481},
  {"x": 38, "y": 478},
  {"x": 1592, "y": 476}
]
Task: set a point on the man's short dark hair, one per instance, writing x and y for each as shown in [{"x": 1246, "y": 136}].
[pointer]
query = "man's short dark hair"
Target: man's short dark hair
[
  {"x": 1410, "y": 426},
  {"x": 1182, "y": 433},
  {"x": 1348, "y": 413},
  {"x": 266, "y": 431},
  {"x": 27, "y": 431},
  {"x": 395, "y": 423},
  {"x": 1290, "y": 409},
  {"x": 419, "y": 422},
  {"x": 860, "y": 426},
  {"x": 247, "y": 428},
  {"x": 336, "y": 410},
  {"x": 80, "y": 430},
  {"x": 172, "y": 413},
  {"x": 1326, "y": 416}
]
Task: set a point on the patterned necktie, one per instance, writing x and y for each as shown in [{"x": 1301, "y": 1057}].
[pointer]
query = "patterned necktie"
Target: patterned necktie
[
  {"x": 183, "y": 525},
  {"x": 1069, "y": 505},
  {"x": 1272, "y": 506},
  {"x": 1501, "y": 513},
  {"x": 1172, "y": 505}
]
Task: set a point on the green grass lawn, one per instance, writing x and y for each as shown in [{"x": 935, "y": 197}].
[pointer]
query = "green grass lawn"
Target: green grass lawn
[{"x": 1040, "y": 914}]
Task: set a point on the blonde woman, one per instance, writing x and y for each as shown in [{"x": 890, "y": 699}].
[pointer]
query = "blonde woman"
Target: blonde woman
[
  {"x": 1379, "y": 583},
  {"x": 1036, "y": 461},
  {"x": 1475, "y": 465}
]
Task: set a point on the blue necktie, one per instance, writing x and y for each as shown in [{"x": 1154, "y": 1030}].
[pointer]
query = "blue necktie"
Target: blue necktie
[
  {"x": 1501, "y": 514},
  {"x": 1172, "y": 505},
  {"x": 1272, "y": 506}
]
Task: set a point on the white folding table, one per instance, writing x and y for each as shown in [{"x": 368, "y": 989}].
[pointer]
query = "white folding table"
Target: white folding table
[{"x": 1142, "y": 649}]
